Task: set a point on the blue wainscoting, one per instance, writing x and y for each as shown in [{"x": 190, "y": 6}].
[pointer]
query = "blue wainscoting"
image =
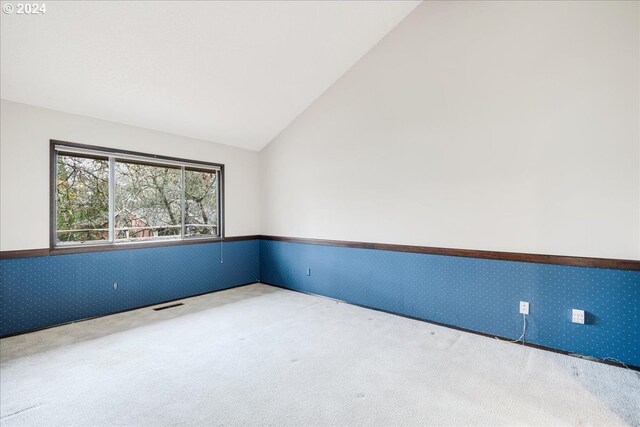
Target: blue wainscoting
[
  {"x": 43, "y": 291},
  {"x": 477, "y": 294}
]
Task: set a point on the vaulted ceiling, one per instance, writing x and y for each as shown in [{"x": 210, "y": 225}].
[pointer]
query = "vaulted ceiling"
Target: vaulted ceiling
[{"x": 235, "y": 73}]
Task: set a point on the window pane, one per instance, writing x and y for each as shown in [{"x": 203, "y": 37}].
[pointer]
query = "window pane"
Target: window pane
[
  {"x": 201, "y": 194},
  {"x": 147, "y": 202},
  {"x": 82, "y": 199}
]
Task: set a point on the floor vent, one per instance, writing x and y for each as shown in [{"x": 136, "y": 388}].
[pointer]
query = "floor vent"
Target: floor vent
[{"x": 168, "y": 306}]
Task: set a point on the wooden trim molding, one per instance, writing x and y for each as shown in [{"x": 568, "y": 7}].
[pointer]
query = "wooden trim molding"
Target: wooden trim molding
[
  {"x": 618, "y": 264},
  {"x": 24, "y": 253},
  {"x": 27, "y": 253}
]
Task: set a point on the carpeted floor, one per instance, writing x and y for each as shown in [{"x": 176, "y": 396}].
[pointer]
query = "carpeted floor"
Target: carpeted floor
[{"x": 259, "y": 355}]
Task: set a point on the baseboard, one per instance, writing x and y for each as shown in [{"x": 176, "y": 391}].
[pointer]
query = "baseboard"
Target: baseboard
[
  {"x": 124, "y": 311},
  {"x": 471, "y": 331}
]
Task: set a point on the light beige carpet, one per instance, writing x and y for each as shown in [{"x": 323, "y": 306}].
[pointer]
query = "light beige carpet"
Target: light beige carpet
[{"x": 259, "y": 355}]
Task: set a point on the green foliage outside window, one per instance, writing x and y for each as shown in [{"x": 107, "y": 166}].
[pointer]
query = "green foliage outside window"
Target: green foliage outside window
[
  {"x": 148, "y": 200},
  {"x": 82, "y": 199}
]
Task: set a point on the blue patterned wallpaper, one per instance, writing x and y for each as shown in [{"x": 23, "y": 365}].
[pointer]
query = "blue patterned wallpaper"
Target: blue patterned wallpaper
[
  {"x": 44, "y": 291},
  {"x": 477, "y": 294}
]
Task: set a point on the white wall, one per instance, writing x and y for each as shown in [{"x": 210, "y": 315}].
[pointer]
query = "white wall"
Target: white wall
[
  {"x": 510, "y": 126},
  {"x": 24, "y": 168}
]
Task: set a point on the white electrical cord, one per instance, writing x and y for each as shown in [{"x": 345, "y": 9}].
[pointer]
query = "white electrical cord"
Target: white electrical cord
[
  {"x": 524, "y": 331},
  {"x": 611, "y": 359}
]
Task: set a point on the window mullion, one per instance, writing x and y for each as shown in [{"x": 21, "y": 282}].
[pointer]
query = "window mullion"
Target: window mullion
[
  {"x": 112, "y": 198},
  {"x": 184, "y": 201}
]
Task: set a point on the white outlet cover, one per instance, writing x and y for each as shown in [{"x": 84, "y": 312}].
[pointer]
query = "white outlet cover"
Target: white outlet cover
[
  {"x": 524, "y": 307},
  {"x": 577, "y": 316}
]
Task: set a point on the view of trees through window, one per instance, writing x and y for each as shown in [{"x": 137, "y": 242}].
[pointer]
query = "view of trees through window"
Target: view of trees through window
[
  {"x": 82, "y": 199},
  {"x": 148, "y": 200},
  {"x": 201, "y": 197}
]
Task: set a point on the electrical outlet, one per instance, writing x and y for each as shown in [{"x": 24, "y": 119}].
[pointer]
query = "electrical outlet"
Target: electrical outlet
[
  {"x": 577, "y": 316},
  {"x": 308, "y": 272},
  {"x": 524, "y": 307}
]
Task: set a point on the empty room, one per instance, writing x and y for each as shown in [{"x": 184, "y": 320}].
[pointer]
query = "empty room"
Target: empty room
[{"x": 320, "y": 213}]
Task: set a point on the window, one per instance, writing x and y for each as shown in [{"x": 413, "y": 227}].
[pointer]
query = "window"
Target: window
[
  {"x": 148, "y": 201},
  {"x": 201, "y": 201},
  {"x": 102, "y": 196},
  {"x": 82, "y": 198}
]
